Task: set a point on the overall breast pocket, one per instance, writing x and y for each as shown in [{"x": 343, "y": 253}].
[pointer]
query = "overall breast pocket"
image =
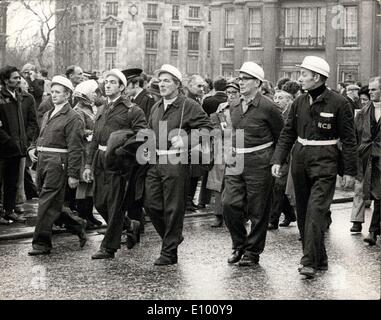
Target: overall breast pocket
[{"x": 326, "y": 123}]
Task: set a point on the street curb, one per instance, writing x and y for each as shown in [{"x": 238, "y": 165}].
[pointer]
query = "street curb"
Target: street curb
[
  {"x": 342, "y": 200},
  {"x": 25, "y": 235}
]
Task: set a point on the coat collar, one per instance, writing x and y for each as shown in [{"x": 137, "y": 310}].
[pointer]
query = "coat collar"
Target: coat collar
[
  {"x": 253, "y": 102},
  {"x": 65, "y": 109},
  {"x": 220, "y": 94},
  {"x": 140, "y": 96},
  {"x": 323, "y": 97},
  {"x": 177, "y": 103},
  {"x": 5, "y": 93}
]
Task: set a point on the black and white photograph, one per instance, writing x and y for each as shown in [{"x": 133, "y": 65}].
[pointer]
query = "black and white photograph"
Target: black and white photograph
[{"x": 182, "y": 156}]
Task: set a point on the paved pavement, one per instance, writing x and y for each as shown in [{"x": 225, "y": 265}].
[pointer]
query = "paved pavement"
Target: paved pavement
[{"x": 202, "y": 272}]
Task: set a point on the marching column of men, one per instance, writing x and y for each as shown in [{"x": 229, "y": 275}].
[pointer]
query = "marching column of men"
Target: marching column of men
[{"x": 319, "y": 128}]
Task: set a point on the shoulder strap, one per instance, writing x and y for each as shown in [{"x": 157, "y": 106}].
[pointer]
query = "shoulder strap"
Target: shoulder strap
[{"x": 182, "y": 117}]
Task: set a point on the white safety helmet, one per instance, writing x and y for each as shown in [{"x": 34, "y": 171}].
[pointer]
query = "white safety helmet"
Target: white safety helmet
[
  {"x": 167, "y": 68},
  {"x": 63, "y": 81},
  {"x": 316, "y": 64},
  {"x": 117, "y": 73},
  {"x": 253, "y": 69},
  {"x": 86, "y": 88}
]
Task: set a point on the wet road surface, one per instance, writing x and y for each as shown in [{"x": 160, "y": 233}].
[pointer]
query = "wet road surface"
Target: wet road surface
[{"x": 202, "y": 272}]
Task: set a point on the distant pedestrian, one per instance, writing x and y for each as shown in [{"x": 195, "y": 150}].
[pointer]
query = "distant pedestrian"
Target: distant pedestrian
[
  {"x": 370, "y": 152},
  {"x": 13, "y": 140}
]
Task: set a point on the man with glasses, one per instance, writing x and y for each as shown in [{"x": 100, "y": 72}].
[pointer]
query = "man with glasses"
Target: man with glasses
[
  {"x": 247, "y": 194},
  {"x": 221, "y": 120},
  {"x": 195, "y": 91}
]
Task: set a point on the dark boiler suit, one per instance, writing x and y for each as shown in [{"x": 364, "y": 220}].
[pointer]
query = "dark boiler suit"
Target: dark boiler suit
[{"x": 316, "y": 158}]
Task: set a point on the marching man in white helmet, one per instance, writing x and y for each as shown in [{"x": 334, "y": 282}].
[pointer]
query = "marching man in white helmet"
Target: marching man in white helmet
[
  {"x": 318, "y": 119},
  {"x": 249, "y": 192},
  {"x": 58, "y": 153}
]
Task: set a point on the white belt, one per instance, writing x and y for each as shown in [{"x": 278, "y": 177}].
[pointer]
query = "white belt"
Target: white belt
[
  {"x": 45, "y": 149},
  {"x": 257, "y": 148},
  {"x": 102, "y": 148},
  {"x": 306, "y": 142},
  {"x": 168, "y": 152}
]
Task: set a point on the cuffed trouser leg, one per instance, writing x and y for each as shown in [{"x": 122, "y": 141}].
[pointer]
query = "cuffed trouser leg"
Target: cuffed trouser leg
[
  {"x": 358, "y": 208},
  {"x": 314, "y": 189},
  {"x": 376, "y": 217},
  {"x": 248, "y": 195}
]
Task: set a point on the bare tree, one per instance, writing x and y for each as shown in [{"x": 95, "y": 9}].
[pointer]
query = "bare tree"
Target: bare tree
[{"x": 44, "y": 11}]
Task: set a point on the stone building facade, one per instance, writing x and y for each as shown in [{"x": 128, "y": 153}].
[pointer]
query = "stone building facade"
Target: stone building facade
[
  {"x": 103, "y": 34},
  {"x": 277, "y": 34}
]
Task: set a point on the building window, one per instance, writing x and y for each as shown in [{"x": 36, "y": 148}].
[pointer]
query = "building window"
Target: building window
[
  {"x": 209, "y": 41},
  {"x": 81, "y": 39},
  {"x": 192, "y": 65},
  {"x": 90, "y": 38},
  {"x": 83, "y": 10},
  {"x": 111, "y": 8},
  {"x": 229, "y": 28},
  {"x": 152, "y": 10},
  {"x": 193, "y": 40},
  {"x": 175, "y": 12},
  {"x": 194, "y": 12},
  {"x": 110, "y": 60},
  {"x": 111, "y": 37},
  {"x": 150, "y": 66},
  {"x": 350, "y": 25},
  {"x": 255, "y": 27},
  {"x": 305, "y": 26},
  {"x": 151, "y": 39},
  {"x": 2, "y": 23},
  {"x": 293, "y": 75},
  {"x": 322, "y": 17},
  {"x": 291, "y": 30},
  {"x": 227, "y": 71},
  {"x": 91, "y": 11},
  {"x": 175, "y": 40},
  {"x": 75, "y": 13},
  {"x": 74, "y": 39}
]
